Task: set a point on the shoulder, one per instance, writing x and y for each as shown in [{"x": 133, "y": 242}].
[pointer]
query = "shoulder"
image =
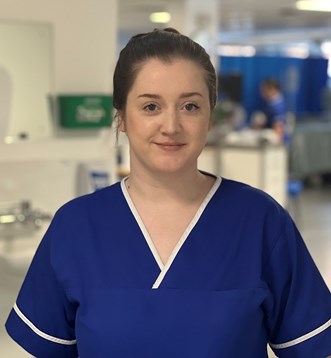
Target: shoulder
[
  {"x": 252, "y": 208},
  {"x": 93, "y": 201},
  {"x": 83, "y": 220},
  {"x": 247, "y": 196},
  {"x": 87, "y": 210}
]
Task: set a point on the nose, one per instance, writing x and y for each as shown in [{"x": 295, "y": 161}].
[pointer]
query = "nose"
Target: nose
[{"x": 171, "y": 122}]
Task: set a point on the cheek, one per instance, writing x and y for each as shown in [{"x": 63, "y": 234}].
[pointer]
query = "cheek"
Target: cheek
[{"x": 205, "y": 127}]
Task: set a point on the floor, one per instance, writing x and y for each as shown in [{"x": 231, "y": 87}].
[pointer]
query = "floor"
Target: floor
[{"x": 312, "y": 214}]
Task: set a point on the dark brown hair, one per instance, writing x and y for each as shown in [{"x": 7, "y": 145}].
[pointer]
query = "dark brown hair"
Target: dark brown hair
[{"x": 271, "y": 82}]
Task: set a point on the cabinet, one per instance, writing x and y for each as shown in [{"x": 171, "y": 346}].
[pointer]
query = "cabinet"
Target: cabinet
[{"x": 263, "y": 166}]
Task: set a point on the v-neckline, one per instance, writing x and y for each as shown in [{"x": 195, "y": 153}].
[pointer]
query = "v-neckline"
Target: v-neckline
[{"x": 164, "y": 267}]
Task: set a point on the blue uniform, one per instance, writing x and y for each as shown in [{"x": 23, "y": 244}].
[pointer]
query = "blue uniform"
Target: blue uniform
[
  {"x": 275, "y": 111},
  {"x": 239, "y": 277}
]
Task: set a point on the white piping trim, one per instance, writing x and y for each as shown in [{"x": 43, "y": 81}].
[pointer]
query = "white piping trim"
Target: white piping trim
[
  {"x": 39, "y": 332},
  {"x": 186, "y": 233},
  {"x": 141, "y": 225},
  {"x": 303, "y": 338}
]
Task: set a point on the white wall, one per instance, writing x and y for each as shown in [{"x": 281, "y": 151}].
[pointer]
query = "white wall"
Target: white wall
[
  {"x": 84, "y": 39},
  {"x": 84, "y": 56},
  {"x": 26, "y": 57}
]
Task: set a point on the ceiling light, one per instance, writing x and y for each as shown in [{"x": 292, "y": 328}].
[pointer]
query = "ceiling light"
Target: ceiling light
[
  {"x": 314, "y": 5},
  {"x": 297, "y": 51},
  {"x": 9, "y": 140},
  {"x": 233, "y": 50},
  {"x": 160, "y": 17}
]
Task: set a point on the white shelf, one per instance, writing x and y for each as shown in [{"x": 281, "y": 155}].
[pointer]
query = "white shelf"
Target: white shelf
[{"x": 59, "y": 149}]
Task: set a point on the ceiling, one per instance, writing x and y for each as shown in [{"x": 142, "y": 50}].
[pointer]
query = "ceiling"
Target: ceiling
[{"x": 240, "y": 20}]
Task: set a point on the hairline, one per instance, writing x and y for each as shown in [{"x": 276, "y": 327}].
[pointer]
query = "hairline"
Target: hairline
[{"x": 168, "y": 60}]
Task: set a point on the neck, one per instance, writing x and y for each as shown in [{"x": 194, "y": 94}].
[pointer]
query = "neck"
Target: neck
[{"x": 186, "y": 187}]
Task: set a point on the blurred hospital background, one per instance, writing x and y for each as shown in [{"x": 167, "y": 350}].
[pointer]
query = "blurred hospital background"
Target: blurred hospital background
[{"x": 57, "y": 140}]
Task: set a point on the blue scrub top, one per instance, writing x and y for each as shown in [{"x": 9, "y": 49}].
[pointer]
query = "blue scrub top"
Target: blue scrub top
[
  {"x": 275, "y": 111},
  {"x": 239, "y": 277}
]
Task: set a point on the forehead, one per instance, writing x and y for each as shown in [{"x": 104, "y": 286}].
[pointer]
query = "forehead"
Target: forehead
[{"x": 179, "y": 72}]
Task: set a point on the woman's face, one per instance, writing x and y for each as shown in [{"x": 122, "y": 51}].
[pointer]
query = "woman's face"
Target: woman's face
[{"x": 167, "y": 116}]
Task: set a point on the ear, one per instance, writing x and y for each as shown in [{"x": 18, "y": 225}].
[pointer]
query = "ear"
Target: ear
[
  {"x": 121, "y": 122},
  {"x": 210, "y": 123}
]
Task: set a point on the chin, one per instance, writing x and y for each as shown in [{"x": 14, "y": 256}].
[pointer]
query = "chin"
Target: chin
[
  {"x": 172, "y": 168},
  {"x": 169, "y": 170}
]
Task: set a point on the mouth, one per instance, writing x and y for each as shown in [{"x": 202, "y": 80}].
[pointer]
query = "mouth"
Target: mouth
[{"x": 170, "y": 146}]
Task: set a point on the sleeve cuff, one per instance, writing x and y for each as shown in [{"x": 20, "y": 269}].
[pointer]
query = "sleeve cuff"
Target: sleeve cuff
[
  {"x": 316, "y": 343},
  {"x": 36, "y": 342}
]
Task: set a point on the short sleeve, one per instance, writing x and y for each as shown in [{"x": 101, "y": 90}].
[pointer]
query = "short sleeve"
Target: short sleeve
[
  {"x": 42, "y": 320},
  {"x": 299, "y": 309}
]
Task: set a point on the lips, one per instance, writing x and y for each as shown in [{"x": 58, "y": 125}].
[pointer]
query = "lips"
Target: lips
[{"x": 170, "y": 146}]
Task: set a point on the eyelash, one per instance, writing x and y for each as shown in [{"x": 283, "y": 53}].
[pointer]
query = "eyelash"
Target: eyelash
[
  {"x": 195, "y": 107},
  {"x": 148, "y": 109},
  {"x": 155, "y": 107}
]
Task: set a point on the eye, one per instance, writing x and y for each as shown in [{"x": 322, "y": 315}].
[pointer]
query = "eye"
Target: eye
[
  {"x": 190, "y": 107},
  {"x": 151, "y": 107}
]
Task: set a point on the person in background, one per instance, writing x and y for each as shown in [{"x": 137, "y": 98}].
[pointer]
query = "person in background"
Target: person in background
[
  {"x": 171, "y": 261},
  {"x": 275, "y": 109}
]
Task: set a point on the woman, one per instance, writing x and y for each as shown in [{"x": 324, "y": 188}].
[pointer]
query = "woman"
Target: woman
[{"x": 171, "y": 262}]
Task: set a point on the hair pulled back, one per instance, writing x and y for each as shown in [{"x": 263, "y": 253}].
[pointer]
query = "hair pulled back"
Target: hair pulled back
[{"x": 166, "y": 44}]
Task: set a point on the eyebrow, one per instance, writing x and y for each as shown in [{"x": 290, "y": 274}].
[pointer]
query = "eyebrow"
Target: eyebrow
[{"x": 183, "y": 95}]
